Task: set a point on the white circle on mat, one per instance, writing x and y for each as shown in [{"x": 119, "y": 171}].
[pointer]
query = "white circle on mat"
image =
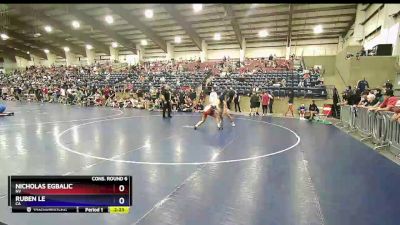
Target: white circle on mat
[{"x": 59, "y": 135}]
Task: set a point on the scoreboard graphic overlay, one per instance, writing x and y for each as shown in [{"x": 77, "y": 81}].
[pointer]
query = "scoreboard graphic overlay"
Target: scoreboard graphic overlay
[{"x": 70, "y": 194}]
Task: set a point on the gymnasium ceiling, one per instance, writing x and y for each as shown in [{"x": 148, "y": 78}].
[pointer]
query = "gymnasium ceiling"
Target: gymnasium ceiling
[{"x": 233, "y": 21}]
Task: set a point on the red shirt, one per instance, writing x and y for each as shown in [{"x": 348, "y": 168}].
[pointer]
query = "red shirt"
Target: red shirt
[
  {"x": 265, "y": 99},
  {"x": 389, "y": 102},
  {"x": 396, "y": 108}
]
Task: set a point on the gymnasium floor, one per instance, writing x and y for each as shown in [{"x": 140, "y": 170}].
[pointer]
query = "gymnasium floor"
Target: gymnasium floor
[{"x": 270, "y": 171}]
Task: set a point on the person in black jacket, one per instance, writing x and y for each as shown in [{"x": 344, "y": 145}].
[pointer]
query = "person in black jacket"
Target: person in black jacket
[
  {"x": 236, "y": 100},
  {"x": 336, "y": 100},
  {"x": 313, "y": 109},
  {"x": 231, "y": 94}
]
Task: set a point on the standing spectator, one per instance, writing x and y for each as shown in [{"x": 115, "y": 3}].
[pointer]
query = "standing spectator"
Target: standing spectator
[
  {"x": 349, "y": 96},
  {"x": 396, "y": 110},
  {"x": 379, "y": 97},
  {"x": 271, "y": 101},
  {"x": 258, "y": 101},
  {"x": 254, "y": 103},
  {"x": 231, "y": 94},
  {"x": 336, "y": 100},
  {"x": 265, "y": 102},
  {"x": 290, "y": 103},
  {"x": 364, "y": 100},
  {"x": 388, "y": 104},
  {"x": 236, "y": 100},
  {"x": 362, "y": 85},
  {"x": 388, "y": 85}
]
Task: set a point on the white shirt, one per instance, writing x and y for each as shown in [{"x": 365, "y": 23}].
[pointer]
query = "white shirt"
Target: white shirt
[{"x": 213, "y": 98}]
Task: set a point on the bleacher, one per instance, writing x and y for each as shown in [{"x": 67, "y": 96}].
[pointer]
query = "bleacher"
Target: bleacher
[
  {"x": 245, "y": 84},
  {"x": 186, "y": 79}
]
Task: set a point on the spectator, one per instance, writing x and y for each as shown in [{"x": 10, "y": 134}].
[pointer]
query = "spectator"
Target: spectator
[
  {"x": 396, "y": 110},
  {"x": 290, "y": 103},
  {"x": 199, "y": 106},
  {"x": 388, "y": 85},
  {"x": 371, "y": 100},
  {"x": 302, "y": 110},
  {"x": 271, "y": 101},
  {"x": 379, "y": 97},
  {"x": 231, "y": 95},
  {"x": 187, "y": 106},
  {"x": 364, "y": 101},
  {"x": 283, "y": 82},
  {"x": 313, "y": 109},
  {"x": 388, "y": 104},
  {"x": 336, "y": 100},
  {"x": 254, "y": 103},
  {"x": 236, "y": 100},
  {"x": 265, "y": 102},
  {"x": 362, "y": 85}
]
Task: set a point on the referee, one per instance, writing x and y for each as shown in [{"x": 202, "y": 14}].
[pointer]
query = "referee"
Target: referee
[{"x": 166, "y": 99}]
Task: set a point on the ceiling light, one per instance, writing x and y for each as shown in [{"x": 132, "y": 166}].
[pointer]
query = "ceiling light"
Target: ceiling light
[
  {"x": 66, "y": 49},
  {"x": 89, "y": 47},
  {"x": 318, "y": 29},
  {"x": 76, "y": 24},
  {"x": 4, "y": 36},
  {"x": 109, "y": 19},
  {"x": 46, "y": 51},
  {"x": 217, "y": 36},
  {"x": 143, "y": 42},
  {"x": 197, "y": 7},
  {"x": 148, "y": 13},
  {"x": 263, "y": 33},
  {"x": 36, "y": 35},
  {"x": 28, "y": 52},
  {"x": 48, "y": 29},
  {"x": 178, "y": 39},
  {"x": 114, "y": 44}
]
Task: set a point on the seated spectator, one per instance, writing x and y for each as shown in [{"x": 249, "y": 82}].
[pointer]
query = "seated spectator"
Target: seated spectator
[
  {"x": 98, "y": 100},
  {"x": 301, "y": 83},
  {"x": 174, "y": 103},
  {"x": 283, "y": 82},
  {"x": 313, "y": 110},
  {"x": 199, "y": 106},
  {"x": 302, "y": 109},
  {"x": 156, "y": 105},
  {"x": 187, "y": 106}
]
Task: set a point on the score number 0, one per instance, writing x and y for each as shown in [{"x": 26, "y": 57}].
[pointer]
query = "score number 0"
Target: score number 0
[{"x": 121, "y": 200}]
